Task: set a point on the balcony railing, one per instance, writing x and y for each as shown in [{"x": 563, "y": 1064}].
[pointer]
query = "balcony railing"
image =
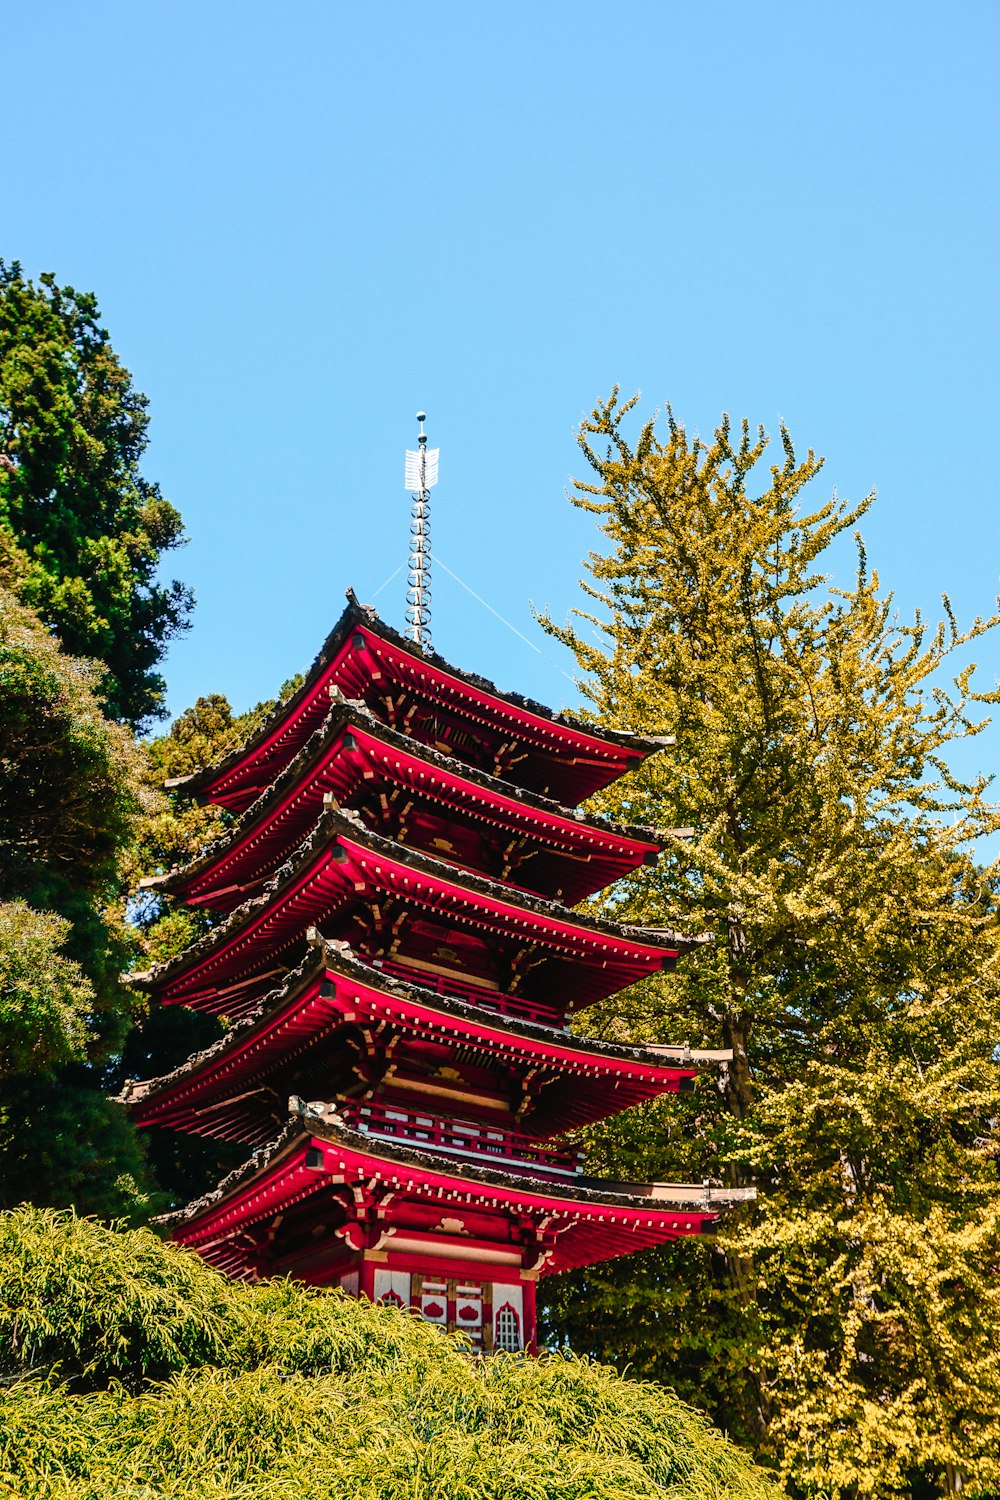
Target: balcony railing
[
  {"x": 462, "y": 989},
  {"x": 462, "y": 1137}
]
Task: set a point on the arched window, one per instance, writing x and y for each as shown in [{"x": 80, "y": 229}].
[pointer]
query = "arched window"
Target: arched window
[
  {"x": 508, "y": 1329},
  {"x": 390, "y": 1299}
]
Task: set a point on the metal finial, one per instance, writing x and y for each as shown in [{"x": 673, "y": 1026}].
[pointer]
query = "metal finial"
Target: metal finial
[{"x": 421, "y": 476}]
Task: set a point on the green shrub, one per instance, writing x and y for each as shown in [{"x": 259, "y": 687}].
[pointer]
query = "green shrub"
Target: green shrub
[
  {"x": 96, "y": 1305},
  {"x": 136, "y": 1371}
]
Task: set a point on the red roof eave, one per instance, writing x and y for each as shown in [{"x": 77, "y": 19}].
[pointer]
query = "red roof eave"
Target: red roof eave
[
  {"x": 344, "y": 861},
  {"x": 311, "y": 1161},
  {"x": 333, "y": 998},
  {"x": 234, "y": 854},
  {"x": 616, "y": 751}
]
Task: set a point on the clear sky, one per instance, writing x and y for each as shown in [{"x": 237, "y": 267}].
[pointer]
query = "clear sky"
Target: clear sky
[{"x": 305, "y": 222}]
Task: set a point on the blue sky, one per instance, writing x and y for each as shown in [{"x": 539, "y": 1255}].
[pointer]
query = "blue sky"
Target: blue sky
[{"x": 304, "y": 224}]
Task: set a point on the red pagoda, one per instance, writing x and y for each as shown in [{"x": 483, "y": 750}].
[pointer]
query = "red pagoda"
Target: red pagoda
[{"x": 396, "y": 955}]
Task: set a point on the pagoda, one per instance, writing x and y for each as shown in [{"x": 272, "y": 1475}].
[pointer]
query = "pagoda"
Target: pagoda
[{"x": 396, "y": 956}]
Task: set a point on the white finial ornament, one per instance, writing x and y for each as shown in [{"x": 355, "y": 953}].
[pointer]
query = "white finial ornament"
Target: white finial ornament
[{"x": 421, "y": 476}]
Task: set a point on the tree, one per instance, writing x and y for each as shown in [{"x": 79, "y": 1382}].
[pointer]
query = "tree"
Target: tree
[
  {"x": 82, "y": 532},
  {"x": 169, "y": 834},
  {"x": 45, "y": 998},
  {"x": 70, "y": 793},
  {"x": 850, "y": 1328}
]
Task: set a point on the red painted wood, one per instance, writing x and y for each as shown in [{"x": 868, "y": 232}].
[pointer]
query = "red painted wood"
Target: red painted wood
[
  {"x": 580, "y": 857},
  {"x": 428, "y": 1148},
  {"x": 367, "y": 1269},
  {"x": 479, "y": 1141},
  {"x": 420, "y": 1200},
  {"x": 345, "y": 869},
  {"x": 530, "y": 1317},
  {"x": 577, "y": 762}
]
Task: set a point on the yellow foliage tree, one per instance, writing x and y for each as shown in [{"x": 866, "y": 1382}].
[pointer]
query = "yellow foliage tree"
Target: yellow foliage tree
[{"x": 850, "y": 1328}]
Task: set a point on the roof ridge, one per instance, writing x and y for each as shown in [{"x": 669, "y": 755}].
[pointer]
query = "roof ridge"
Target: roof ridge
[
  {"x": 356, "y": 613},
  {"x": 325, "y": 949},
  {"x": 301, "y": 1129}
]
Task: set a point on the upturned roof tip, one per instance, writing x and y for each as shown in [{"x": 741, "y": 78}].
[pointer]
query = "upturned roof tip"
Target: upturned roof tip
[
  {"x": 342, "y": 712},
  {"x": 338, "y": 955},
  {"x": 347, "y": 823},
  {"x": 356, "y": 613},
  {"x": 690, "y": 1196}
]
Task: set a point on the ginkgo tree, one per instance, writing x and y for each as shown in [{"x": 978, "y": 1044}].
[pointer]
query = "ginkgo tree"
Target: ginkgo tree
[{"x": 849, "y": 1327}]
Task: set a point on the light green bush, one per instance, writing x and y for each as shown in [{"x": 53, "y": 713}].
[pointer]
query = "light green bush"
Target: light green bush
[{"x": 136, "y": 1373}]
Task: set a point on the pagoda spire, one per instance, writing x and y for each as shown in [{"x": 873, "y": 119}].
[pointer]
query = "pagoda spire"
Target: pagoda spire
[{"x": 421, "y": 476}]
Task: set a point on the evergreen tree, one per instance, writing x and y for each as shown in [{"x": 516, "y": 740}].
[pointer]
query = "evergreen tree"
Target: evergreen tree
[
  {"x": 128, "y": 1367},
  {"x": 70, "y": 793},
  {"x": 82, "y": 532},
  {"x": 849, "y": 1328},
  {"x": 169, "y": 834}
]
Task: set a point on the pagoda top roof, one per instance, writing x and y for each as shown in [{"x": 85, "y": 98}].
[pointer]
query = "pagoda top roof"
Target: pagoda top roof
[
  {"x": 338, "y": 959},
  {"x": 353, "y": 713},
  {"x": 548, "y": 728},
  {"x": 337, "y": 827},
  {"x": 391, "y": 1160}
]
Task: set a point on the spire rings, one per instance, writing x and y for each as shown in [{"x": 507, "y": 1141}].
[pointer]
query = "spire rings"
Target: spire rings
[{"x": 421, "y": 476}]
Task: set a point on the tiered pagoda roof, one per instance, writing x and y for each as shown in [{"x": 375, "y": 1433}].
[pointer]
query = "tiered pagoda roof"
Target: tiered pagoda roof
[
  {"x": 318, "y": 1172},
  {"x": 237, "y": 1088},
  {"x": 395, "y": 954},
  {"x": 447, "y": 807},
  {"x": 359, "y": 886},
  {"x": 434, "y": 703}
]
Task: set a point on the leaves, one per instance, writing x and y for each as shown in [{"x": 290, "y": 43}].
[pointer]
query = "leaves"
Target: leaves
[
  {"x": 855, "y": 970},
  {"x": 69, "y": 778},
  {"x": 282, "y": 1390},
  {"x": 82, "y": 532},
  {"x": 45, "y": 998},
  {"x": 70, "y": 795},
  {"x": 172, "y": 830}
]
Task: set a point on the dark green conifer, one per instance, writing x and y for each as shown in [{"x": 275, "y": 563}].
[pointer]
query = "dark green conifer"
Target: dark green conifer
[{"x": 82, "y": 531}]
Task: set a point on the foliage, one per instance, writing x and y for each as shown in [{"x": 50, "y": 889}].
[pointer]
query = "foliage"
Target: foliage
[
  {"x": 44, "y": 997},
  {"x": 171, "y": 832},
  {"x": 82, "y": 532},
  {"x": 65, "y": 1143},
  {"x": 281, "y": 1391},
  {"x": 70, "y": 797},
  {"x": 850, "y": 1332},
  {"x": 69, "y": 789},
  {"x": 103, "y": 1306},
  {"x": 70, "y": 794},
  {"x": 177, "y": 826}
]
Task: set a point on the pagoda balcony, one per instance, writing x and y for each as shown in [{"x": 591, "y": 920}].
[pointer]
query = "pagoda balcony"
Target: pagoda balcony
[
  {"x": 465, "y": 1138},
  {"x": 443, "y": 983}
]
